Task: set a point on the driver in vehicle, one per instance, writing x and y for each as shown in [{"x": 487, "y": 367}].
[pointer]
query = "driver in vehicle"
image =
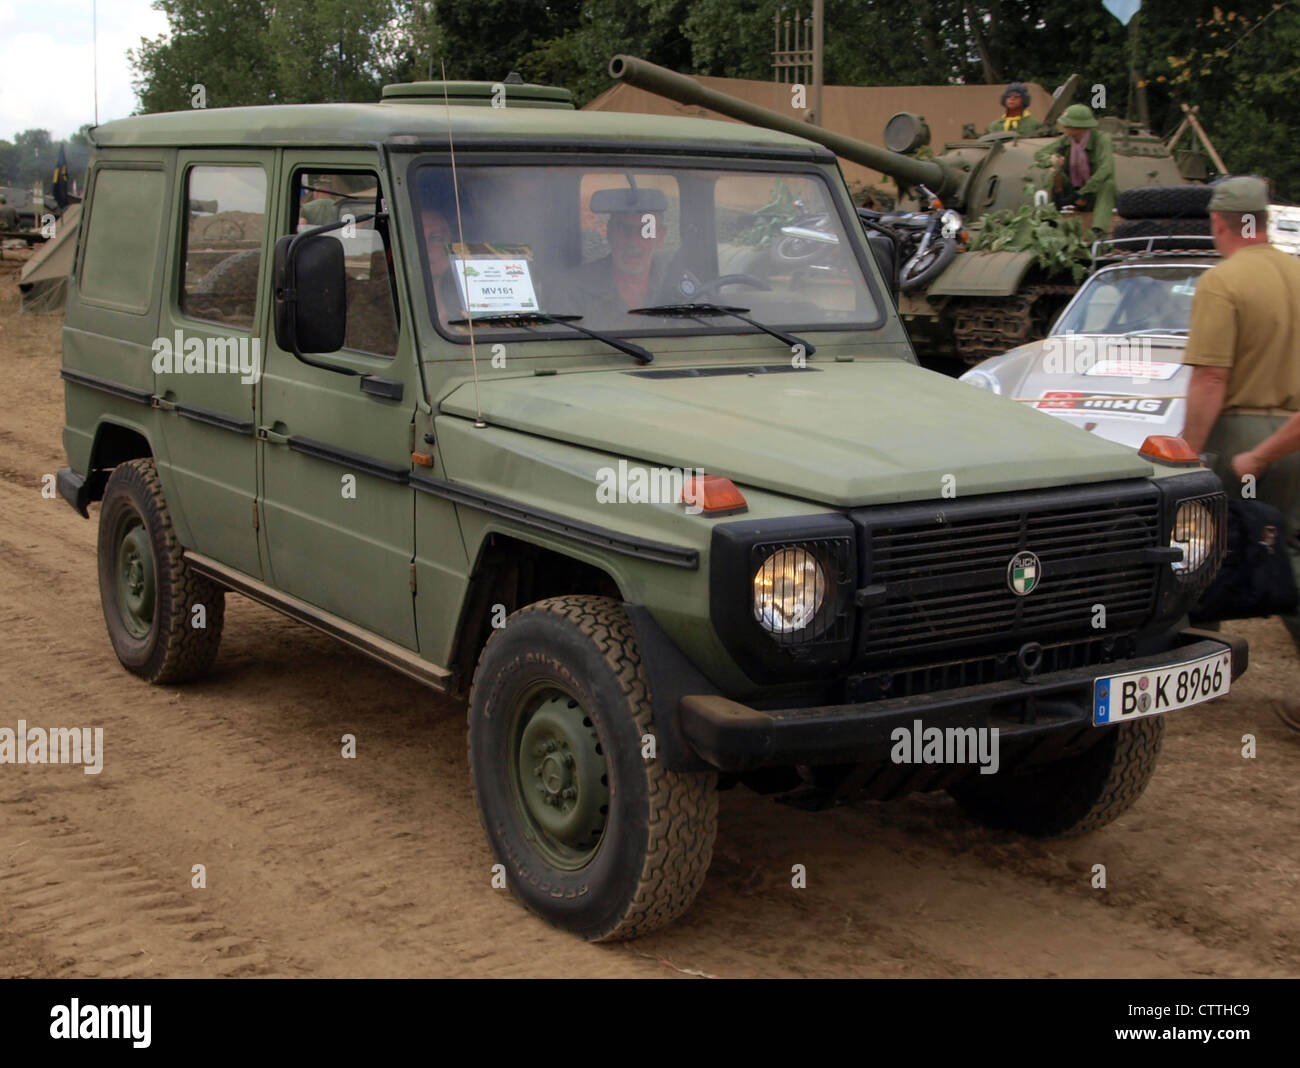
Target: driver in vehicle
[{"x": 631, "y": 274}]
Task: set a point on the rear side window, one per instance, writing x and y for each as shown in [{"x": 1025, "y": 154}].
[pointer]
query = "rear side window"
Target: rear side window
[
  {"x": 121, "y": 260},
  {"x": 225, "y": 224}
]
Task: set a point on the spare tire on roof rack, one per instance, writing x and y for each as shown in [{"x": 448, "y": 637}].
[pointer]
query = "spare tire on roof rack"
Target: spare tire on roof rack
[{"x": 1164, "y": 201}]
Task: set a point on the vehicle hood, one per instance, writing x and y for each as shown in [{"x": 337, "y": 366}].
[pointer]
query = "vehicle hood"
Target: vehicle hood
[
  {"x": 1098, "y": 394},
  {"x": 844, "y": 434}
]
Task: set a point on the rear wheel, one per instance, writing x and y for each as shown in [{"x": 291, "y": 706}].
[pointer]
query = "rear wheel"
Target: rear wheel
[
  {"x": 1071, "y": 796},
  {"x": 164, "y": 620},
  {"x": 595, "y": 837},
  {"x": 1289, "y": 713}
]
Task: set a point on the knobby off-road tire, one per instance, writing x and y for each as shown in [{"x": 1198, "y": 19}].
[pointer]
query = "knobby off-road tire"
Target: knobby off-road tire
[
  {"x": 146, "y": 587},
  {"x": 1164, "y": 201},
  {"x": 594, "y": 837},
  {"x": 1072, "y": 796}
]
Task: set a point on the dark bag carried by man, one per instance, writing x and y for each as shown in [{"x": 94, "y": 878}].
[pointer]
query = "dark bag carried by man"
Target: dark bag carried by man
[{"x": 1256, "y": 578}]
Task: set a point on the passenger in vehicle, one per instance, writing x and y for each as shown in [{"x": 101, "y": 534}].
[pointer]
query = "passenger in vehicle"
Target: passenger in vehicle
[{"x": 437, "y": 245}]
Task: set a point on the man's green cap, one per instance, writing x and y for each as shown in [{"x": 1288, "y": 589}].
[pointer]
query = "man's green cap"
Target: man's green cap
[
  {"x": 1240, "y": 194},
  {"x": 1078, "y": 116}
]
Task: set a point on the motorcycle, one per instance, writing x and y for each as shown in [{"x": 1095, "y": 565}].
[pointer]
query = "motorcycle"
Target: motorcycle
[{"x": 929, "y": 240}]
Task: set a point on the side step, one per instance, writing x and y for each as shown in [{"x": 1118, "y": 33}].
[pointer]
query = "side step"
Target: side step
[{"x": 395, "y": 656}]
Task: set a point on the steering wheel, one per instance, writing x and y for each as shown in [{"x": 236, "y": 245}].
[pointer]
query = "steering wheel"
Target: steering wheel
[{"x": 730, "y": 280}]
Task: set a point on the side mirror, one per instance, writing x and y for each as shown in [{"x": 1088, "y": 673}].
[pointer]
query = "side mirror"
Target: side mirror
[
  {"x": 885, "y": 250},
  {"x": 310, "y": 295}
]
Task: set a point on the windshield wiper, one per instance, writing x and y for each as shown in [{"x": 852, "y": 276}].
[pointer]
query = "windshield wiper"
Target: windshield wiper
[
  {"x": 1169, "y": 331},
  {"x": 532, "y": 318},
  {"x": 688, "y": 310}
]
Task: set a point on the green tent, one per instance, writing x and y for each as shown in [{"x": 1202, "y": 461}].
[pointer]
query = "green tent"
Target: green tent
[{"x": 44, "y": 278}]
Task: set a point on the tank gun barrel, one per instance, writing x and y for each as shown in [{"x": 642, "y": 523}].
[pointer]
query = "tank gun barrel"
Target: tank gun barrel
[{"x": 663, "y": 82}]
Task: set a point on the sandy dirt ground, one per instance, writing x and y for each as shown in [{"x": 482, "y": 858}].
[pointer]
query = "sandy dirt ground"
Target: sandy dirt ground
[{"x": 319, "y": 866}]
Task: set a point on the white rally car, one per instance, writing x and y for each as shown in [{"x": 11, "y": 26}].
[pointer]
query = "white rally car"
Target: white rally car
[{"x": 1113, "y": 362}]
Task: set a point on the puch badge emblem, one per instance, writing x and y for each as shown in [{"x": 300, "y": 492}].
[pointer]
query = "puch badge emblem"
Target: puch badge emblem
[{"x": 1023, "y": 573}]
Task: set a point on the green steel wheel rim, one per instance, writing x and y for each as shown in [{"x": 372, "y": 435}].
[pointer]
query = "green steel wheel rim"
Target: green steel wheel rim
[
  {"x": 136, "y": 577},
  {"x": 558, "y": 775}
]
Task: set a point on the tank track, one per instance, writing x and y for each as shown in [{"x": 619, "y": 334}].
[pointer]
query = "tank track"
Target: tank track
[{"x": 990, "y": 326}]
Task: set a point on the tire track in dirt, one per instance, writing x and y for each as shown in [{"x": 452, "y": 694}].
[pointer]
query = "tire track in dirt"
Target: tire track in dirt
[
  {"x": 377, "y": 866},
  {"x": 343, "y": 865},
  {"x": 369, "y": 870}
]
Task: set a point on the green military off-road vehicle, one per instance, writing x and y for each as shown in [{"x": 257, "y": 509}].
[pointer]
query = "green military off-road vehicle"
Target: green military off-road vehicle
[{"x": 517, "y": 400}]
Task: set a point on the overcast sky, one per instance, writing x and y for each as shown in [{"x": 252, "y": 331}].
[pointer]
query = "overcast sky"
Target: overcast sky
[{"x": 47, "y": 59}]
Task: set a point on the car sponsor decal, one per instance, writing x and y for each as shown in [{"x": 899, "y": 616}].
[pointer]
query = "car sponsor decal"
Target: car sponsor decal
[
  {"x": 1148, "y": 369},
  {"x": 1076, "y": 402}
]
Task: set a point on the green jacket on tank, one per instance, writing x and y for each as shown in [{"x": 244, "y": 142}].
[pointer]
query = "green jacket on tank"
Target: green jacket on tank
[{"x": 1100, "y": 186}]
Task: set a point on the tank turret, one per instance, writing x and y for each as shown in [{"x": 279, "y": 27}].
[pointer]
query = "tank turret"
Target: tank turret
[{"x": 984, "y": 302}]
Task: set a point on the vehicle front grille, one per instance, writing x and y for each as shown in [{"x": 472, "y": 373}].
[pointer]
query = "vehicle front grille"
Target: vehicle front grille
[
  {"x": 979, "y": 671},
  {"x": 937, "y": 576}
]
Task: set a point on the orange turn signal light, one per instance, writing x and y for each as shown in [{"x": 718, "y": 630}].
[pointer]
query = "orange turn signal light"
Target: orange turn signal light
[
  {"x": 1169, "y": 449},
  {"x": 713, "y": 495}
]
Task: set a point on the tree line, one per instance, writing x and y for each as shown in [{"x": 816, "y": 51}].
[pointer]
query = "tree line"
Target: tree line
[
  {"x": 1238, "y": 60},
  {"x": 30, "y": 157}
]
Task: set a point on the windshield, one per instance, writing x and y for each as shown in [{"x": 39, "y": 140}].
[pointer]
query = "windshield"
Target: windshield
[
  {"x": 1129, "y": 300},
  {"x": 598, "y": 241}
]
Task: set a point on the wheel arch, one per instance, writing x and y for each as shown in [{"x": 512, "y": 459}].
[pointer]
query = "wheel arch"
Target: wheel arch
[
  {"x": 115, "y": 443},
  {"x": 514, "y": 570}
]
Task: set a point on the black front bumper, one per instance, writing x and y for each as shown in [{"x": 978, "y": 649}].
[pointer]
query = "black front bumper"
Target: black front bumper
[{"x": 734, "y": 737}]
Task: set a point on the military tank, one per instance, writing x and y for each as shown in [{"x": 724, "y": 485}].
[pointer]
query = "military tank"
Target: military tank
[{"x": 984, "y": 303}]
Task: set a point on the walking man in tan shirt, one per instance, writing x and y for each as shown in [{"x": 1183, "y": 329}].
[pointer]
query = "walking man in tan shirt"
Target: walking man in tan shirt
[{"x": 1244, "y": 347}]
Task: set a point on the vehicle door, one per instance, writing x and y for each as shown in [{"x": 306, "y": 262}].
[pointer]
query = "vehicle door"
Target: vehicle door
[
  {"x": 210, "y": 337},
  {"x": 336, "y": 506}
]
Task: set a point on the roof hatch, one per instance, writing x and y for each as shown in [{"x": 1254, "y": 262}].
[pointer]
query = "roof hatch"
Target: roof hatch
[{"x": 512, "y": 91}]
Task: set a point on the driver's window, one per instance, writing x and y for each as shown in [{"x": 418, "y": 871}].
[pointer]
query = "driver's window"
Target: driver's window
[
  {"x": 1101, "y": 308},
  {"x": 326, "y": 197}
]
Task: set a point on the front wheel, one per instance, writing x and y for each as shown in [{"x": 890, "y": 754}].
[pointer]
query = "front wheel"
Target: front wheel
[
  {"x": 596, "y": 837},
  {"x": 923, "y": 269},
  {"x": 1070, "y": 796}
]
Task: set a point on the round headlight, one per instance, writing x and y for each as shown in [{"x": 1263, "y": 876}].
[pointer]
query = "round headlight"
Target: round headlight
[
  {"x": 981, "y": 380},
  {"x": 788, "y": 591},
  {"x": 1193, "y": 533}
]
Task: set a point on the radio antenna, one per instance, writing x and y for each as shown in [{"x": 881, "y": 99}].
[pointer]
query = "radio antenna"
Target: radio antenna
[{"x": 460, "y": 242}]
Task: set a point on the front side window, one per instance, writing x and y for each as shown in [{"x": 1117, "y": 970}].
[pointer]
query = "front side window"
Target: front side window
[
  {"x": 625, "y": 248},
  {"x": 225, "y": 224},
  {"x": 348, "y": 197}
]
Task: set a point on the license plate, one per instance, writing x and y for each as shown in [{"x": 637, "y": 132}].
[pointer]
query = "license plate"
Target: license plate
[{"x": 1148, "y": 693}]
